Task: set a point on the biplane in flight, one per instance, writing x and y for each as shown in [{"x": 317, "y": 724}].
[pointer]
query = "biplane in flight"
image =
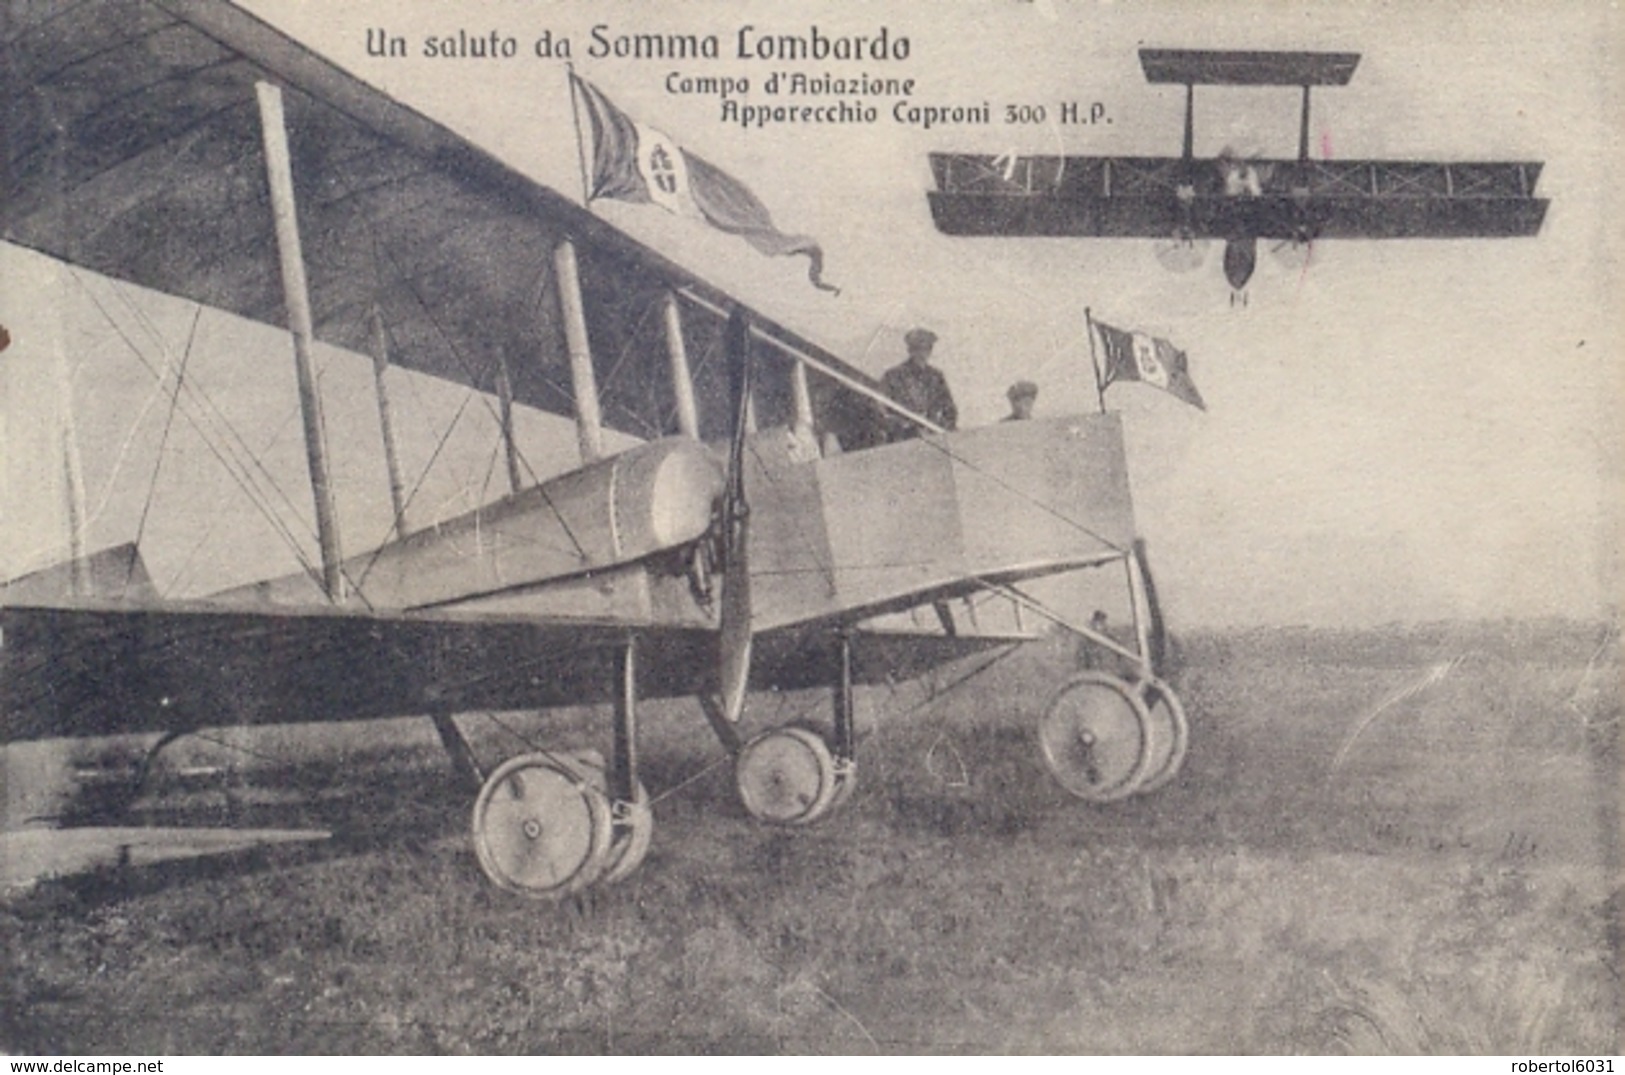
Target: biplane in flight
[
  {"x": 1187, "y": 201},
  {"x": 754, "y": 536}
]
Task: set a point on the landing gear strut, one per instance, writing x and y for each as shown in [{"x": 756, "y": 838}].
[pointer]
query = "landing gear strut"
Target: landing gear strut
[{"x": 1105, "y": 737}]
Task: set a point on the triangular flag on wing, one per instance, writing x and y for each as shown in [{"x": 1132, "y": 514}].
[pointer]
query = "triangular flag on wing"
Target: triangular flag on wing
[{"x": 637, "y": 163}]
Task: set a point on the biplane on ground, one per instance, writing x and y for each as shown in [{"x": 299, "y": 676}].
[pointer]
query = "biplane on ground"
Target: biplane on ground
[
  {"x": 1184, "y": 202},
  {"x": 757, "y": 538}
]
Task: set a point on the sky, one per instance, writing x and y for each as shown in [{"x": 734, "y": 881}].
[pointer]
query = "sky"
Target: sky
[{"x": 1404, "y": 431}]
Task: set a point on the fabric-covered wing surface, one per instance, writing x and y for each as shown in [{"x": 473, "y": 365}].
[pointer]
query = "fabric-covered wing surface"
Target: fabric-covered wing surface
[
  {"x": 103, "y": 668},
  {"x": 132, "y": 147},
  {"x": 78, "y": 671},
  {"x": 1140, "y": 197}
]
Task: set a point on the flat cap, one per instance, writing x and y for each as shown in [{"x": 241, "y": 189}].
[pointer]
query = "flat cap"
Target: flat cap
[
  {"x": 1023, "y": 389},
  {"x": 920, "y": 337}
]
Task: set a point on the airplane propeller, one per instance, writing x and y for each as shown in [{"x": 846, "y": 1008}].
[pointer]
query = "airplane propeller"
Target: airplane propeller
[
  {"x": 1296, "y": 253},
  {"x": 734, "y": 634},
  {"x": 1181, "y": 253}
]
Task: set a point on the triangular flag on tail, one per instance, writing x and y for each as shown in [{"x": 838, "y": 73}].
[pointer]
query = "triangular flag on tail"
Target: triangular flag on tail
[
  {"x": 1134, "y": 356},
  {"x": 634, "y": 162}
]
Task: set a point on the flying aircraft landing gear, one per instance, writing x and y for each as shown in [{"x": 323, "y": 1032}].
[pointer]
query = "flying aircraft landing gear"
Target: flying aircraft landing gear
[{"x": 547, "y": 825}]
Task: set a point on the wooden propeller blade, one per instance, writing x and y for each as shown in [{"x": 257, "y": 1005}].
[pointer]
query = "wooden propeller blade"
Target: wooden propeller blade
[{"x": 734, "y": 636}]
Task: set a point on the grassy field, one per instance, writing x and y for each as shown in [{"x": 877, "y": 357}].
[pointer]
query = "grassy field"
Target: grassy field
[{"x": 1396, "y": 842}]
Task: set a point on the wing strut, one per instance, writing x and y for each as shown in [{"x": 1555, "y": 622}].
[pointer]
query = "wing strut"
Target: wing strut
[
  {"x": 682, "y": 380},
  {"x": 505, "y": 417},
  {"x": 583, "y": 382},
  {"x": 801, "y": 399},
  {"x": 1303, "y": 128},
  {"x": 1190, "y": 123},
  {"x": 279, "y": 175},
  {"x": 392, "y": 460}
]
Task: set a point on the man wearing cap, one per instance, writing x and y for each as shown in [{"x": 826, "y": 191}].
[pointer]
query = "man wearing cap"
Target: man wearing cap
[
  {"x": 919, "y": 386},
  {"x": 1023, "y": 394}
]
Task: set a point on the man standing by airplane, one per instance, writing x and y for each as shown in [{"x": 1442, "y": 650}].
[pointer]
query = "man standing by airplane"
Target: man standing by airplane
[{"x": 919, "y": 386}]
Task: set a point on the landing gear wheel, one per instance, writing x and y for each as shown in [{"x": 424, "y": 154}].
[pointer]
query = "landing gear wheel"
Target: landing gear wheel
[
  {"x": 541, "y": 829},
  {"x": 634, "y": 831},
  {"x": 1171, "y": 734},
  {"x": 786, "y": 776},
  {"x": 1095, "y": 737}
]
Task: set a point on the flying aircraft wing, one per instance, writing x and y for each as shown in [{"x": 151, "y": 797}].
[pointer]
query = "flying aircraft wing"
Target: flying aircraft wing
[{"x": 1156, "y": 197}]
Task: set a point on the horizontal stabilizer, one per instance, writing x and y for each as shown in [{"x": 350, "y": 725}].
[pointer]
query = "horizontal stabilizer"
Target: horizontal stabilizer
[
  {"x": 1206, "y": 67},
  {"x": 37, "y": 854}
]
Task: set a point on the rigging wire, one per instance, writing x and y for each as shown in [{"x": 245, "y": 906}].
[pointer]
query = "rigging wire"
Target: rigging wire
[
  {"x": 163, "y": 441},
  {"x": 451, "y": 346},
  {"x": 642, "y": 320},
  {"x": 216, "y": 518},
  {"x": 234, "y": 468},
  {"x": 445, "y": 338},
  {"x": 451, "y": 426},
  {"x": 232, "y": 437},
  {"x": 803, "y": 538},
  {"x": 235, "y": 438},
  {"x": 497, "y": 446}
]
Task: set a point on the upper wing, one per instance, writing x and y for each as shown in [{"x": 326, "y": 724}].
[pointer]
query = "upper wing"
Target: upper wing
[
  {"x": 132, "y": 147},
  {"x": 1208, "y": 67}
]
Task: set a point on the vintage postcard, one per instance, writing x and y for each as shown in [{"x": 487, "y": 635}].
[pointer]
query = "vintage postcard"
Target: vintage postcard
[{"x": 1022, "y": 526}]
